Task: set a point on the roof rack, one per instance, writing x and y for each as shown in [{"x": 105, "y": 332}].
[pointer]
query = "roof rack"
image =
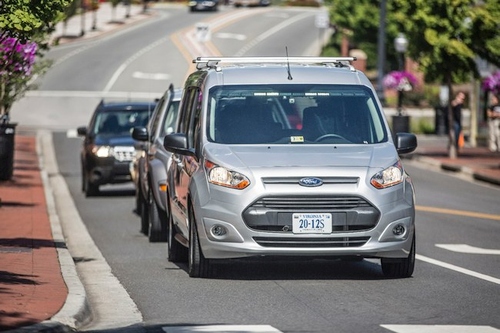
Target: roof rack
[{"x": 212, "y": 62}]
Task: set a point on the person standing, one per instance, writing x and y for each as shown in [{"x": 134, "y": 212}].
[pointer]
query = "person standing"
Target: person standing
[
  {"x": 493, "y": 114},
  {"x": 456, "y": 110}
]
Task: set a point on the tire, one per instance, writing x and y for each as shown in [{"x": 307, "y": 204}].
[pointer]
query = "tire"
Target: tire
[
  {"x": 198, "y": 265},
  {"x": 138, "y": 197},
  {"x": 89, "y": 188},
  {"x": 144, "y": 216},
  {"x": 157, "y": 230},
  {"x": 176, "y": 251},
  {"x": 402, "y": 268}
]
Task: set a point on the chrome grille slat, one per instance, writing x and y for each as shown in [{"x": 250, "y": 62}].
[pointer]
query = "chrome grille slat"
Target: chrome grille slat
[
  {"x": 311, "y": 242},
  {"x": 295, "y": 180},
  {"x": 311, "y": 203}
]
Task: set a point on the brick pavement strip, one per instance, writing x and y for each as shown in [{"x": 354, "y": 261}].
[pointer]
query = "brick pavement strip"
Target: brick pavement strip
[{"x": 32, "y": 288}]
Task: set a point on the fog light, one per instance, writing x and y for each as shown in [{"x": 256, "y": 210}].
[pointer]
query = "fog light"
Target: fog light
[
  {"x": 398, "y": 230},
  {"x": 218, "y": 230}
]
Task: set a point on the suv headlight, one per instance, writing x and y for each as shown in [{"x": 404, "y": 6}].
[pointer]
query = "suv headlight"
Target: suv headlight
[
  {"x": 391, "y": 176},
  {"x": 221, "y": 176},
  {"x": 102, "y": 151}
]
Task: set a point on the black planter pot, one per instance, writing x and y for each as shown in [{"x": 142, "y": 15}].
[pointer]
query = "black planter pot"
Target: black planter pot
[{"x": 7, "y": 133}]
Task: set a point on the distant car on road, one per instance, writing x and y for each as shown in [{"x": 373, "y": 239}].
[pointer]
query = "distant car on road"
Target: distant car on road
[
  {"x": 151, "y": 165},
  {"x": 203, "y": 5},
  {"x": 251, "y": 3},
  {"x": 107, "y": 146}
]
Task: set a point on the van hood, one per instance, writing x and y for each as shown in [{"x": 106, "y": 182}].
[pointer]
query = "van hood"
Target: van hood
[{"x": 263, "y": 156}]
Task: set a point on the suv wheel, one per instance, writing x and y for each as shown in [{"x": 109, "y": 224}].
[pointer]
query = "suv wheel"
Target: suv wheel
[
  {"x": 138, "y": 198},
  {"x": 400, "y": 269},
  {"x": 198, "y": 265},
  {"x": 157, "y": 225},
  {"x": 144, "y": 216},
  {"x": 176, "y": 251},
  {"x": 87, "y": 187}
]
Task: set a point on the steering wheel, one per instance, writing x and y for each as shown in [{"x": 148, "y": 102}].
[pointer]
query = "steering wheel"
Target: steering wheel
[{"x": 330, "y": 135}]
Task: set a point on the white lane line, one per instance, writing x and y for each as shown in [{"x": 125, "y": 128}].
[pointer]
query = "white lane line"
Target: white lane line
[
  {"x": 458, "y": 269},
  {"x": 440, "y": 329},
  {"x": 71, "y": 133},
  {"x": 221, "y": 329},
  {"x": 127, "y": 62},
  {"x": 272, "y": 31},
  {"x": 227, "y": 35},
  {"x": 150, "y": 76},
  {"x": 464, "y": 248}
]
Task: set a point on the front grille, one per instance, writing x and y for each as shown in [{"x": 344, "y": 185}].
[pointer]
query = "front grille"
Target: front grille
[
  {"x": 123, "y": 153},
  {"x": 301, "y": 242},
  {"x": 349, "y": 213},
  {"x": 306, "y": 203}
]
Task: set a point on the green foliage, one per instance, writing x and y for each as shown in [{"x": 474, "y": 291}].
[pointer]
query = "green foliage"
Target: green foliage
[
  {"x": 26, "y": 19},
  {"x": 445, "y": 36}
]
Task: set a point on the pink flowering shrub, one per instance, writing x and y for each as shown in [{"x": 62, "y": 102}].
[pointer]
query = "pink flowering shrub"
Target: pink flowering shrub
[
  {"x": 400, "y": 80},
  {"x": 492, "y": 83},
  {"x": 16, "y": 69}
]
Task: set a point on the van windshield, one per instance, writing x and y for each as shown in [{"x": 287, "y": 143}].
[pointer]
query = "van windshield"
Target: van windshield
[{"x": 274, "y": 114}]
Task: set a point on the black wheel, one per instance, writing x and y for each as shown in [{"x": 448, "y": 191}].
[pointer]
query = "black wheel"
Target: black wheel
[
  {"x": 157, "y": 230},
  {"x": 144, "y": 216},
  {"x": 89, "y": 188},
  {"x": 176, "y": 251},
  {"x": 138, "y": 197},
  {"x": 402, "y": 268},
  {"x": 198, "y": 265}
]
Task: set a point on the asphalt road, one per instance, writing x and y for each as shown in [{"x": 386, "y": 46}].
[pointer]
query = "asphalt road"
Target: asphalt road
[{"x": 457, "y": 276}]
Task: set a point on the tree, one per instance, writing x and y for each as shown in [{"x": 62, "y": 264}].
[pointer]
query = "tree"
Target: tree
[
  {"x": 24, "y": 26},
  {"x": 447, "y": 36}
]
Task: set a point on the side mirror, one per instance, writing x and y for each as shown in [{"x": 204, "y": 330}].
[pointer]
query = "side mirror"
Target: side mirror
[
  {"x": 81, "y": 131},
  {"x": 405, "y": 142},
  {"x": 177, "y": 143},
  {"x": 140, "y": 133}
]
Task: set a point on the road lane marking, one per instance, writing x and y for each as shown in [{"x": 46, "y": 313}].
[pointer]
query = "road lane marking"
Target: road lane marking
[
  {"x": 458, "y": 212},
  {"x": 93, "y": 94},
  {"x": 150, "y": 76},
  {"x": 440, "y": 329},
  {"x": 221, "y": 329},
  {"x": 464, "y": 248},
  {"x": 227, "y": 35},
  {"x": 458, "y": 269}
]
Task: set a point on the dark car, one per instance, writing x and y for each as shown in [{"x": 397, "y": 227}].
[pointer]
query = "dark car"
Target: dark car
[
  {"x": 203, "y": 5},
  {"x": 108, "y": 147},
  {"x": 150, "y": 166}
]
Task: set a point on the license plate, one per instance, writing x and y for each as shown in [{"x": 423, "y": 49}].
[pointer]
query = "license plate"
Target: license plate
[{"x": 312, "y": 223}]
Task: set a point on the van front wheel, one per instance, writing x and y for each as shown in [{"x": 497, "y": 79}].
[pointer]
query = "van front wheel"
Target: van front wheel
[
  {"x": 198, "y": 266},
  {"x": 402, "y": 268}
]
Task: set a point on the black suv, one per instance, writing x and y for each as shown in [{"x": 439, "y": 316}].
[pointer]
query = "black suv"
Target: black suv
[{"x": 108, "y": 147}]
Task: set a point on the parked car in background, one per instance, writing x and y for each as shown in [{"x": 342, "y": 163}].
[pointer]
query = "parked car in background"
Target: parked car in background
[
  {"x": 152, "y": 164},
  {"x": 203, "y": 5},
  {"x": 246, "y": 182},
  {"x": 107, "y": 146},
  {"x": 251, "y": 3}
]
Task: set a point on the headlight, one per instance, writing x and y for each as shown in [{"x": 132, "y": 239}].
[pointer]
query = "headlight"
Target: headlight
[
  {"x": 391, "y": 176},
  {"x": 102, "y": 151},
  {"x": 221, "y": 176}
]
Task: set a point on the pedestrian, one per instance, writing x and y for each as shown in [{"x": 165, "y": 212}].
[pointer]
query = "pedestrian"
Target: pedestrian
[
  {"x": 456, "y": 108},
  {"x": 493, "y": 114}
]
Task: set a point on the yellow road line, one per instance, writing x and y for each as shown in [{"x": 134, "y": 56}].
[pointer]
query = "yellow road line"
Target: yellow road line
[{"x": 458, "y": 212}]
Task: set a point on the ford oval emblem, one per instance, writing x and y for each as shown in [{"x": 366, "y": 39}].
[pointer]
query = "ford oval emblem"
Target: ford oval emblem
[{"x": 310, "y": 182}]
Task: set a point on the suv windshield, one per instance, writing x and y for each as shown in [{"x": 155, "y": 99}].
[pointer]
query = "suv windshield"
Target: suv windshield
[
  {"x": 325, "y": 114},
  {"x": 121, "y": 121}
]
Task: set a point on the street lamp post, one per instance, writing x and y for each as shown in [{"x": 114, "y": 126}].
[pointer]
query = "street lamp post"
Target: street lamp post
[{"x": 400, "y": 122}]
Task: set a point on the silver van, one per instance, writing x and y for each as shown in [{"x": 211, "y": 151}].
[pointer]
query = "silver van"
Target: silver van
[{"x": 287, "y": 156}]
